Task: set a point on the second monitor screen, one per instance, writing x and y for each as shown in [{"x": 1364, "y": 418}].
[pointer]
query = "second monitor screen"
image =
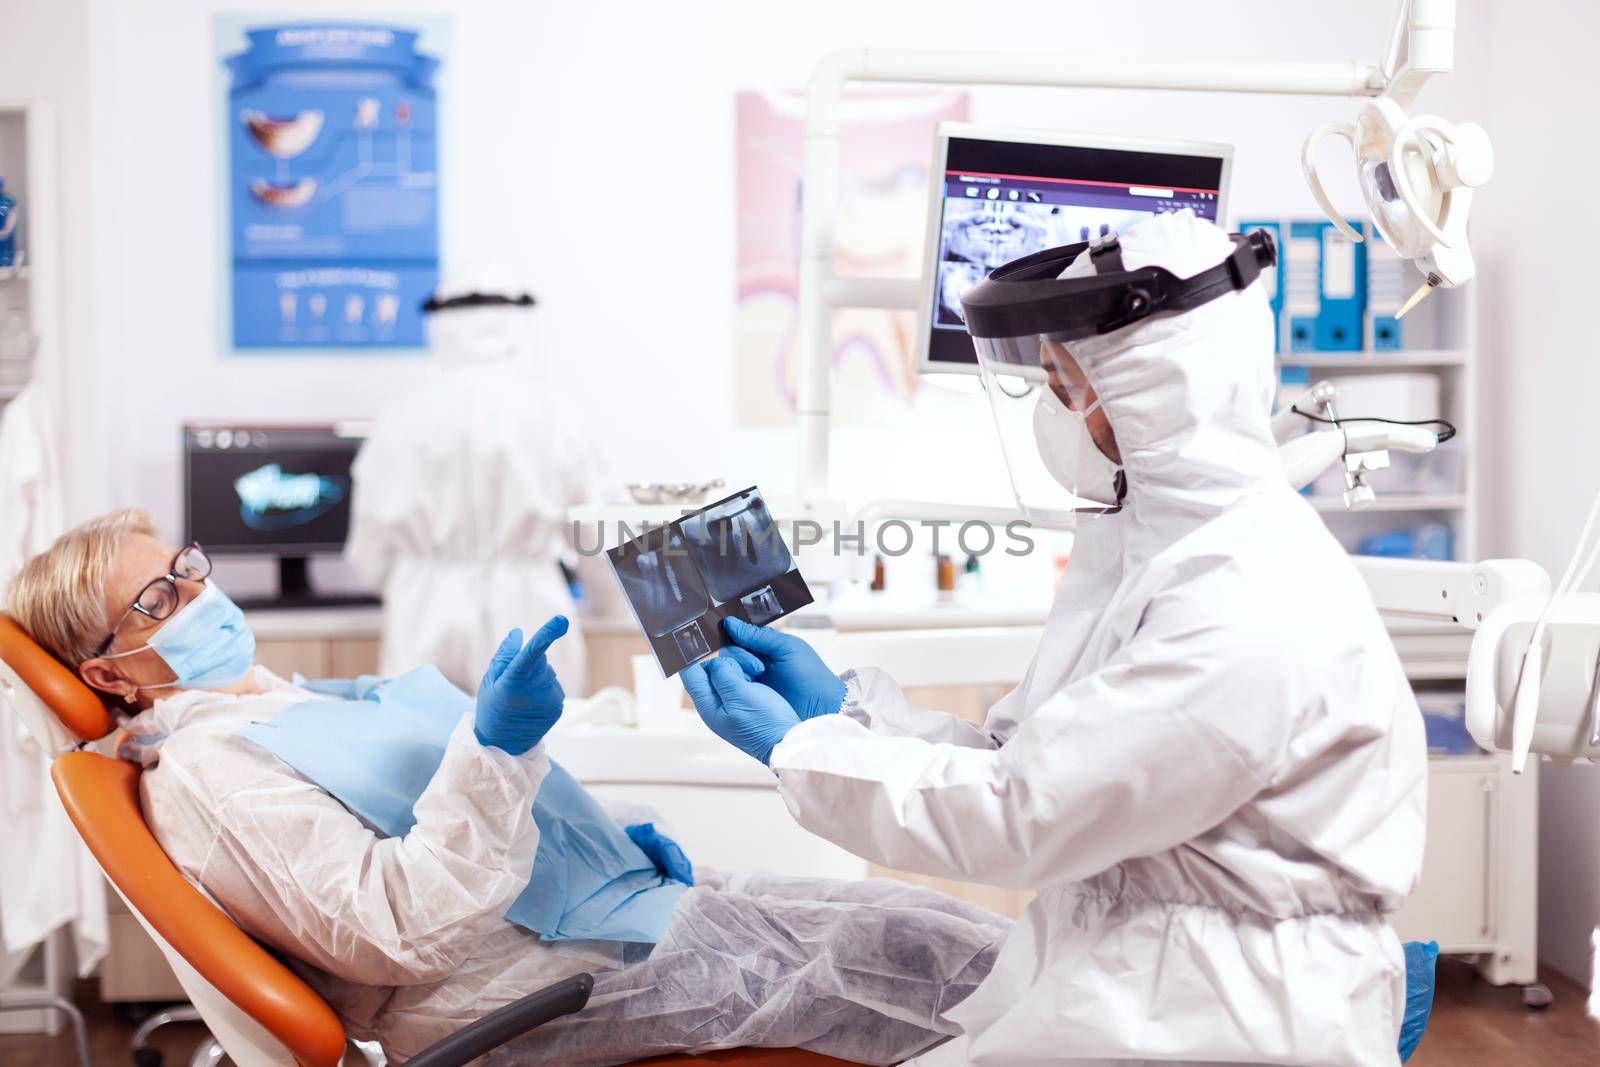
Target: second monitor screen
[
  {"x": 270, "y": 490},
  {"x": 1006, "y": 199}
]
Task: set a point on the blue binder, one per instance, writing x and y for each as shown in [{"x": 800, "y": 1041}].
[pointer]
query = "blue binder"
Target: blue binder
[
  {"x": 1273, "y": 279},
  {"x": 1325, "y": 287},
  {"x": 1387, "y": 275}
]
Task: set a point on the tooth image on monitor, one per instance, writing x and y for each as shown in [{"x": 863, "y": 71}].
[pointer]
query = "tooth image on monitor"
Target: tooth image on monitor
[
  {"x": 367, "y": 113},
  {"x": 353, "y": 308},
  {"x": 283, "y": 137},
  {"x": 286, "y": 308},
  {"x": 283, "y": 194},
  {"x": 318, "y": 306}
]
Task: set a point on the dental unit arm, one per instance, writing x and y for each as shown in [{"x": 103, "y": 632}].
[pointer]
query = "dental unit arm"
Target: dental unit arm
[{"x": 1361, "y": 445}]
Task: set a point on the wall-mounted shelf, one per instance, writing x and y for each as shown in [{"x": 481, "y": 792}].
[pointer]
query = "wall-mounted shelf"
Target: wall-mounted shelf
[
  {"x": 1395, "y": 359},
  {"x": 1393, "y": 502}
]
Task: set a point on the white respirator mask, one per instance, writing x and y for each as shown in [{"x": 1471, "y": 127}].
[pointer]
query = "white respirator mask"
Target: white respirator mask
[{"x": 1068, "y": 450}]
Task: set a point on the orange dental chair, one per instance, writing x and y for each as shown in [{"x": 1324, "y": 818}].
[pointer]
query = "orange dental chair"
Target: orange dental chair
[{"x": 258, "y": 1011}]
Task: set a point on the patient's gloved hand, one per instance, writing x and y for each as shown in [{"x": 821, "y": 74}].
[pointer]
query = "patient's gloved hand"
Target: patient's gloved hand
[
  {"x": 748, "y": 715},
  {"x": 663, "y": 851},
  {"x": 519, "y": 698},
  {"x": 790, "y": 666}
]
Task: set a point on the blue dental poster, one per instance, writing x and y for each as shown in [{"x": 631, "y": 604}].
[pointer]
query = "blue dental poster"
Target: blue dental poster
[{"x": 333, "y": 186}]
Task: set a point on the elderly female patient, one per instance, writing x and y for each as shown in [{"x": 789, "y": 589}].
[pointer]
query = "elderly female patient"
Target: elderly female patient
[{"x": 416, "y": 915}]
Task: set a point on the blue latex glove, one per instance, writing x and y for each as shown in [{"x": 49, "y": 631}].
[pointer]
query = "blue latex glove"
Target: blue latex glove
[
  {"x": 748, "y": 715},
  {"x": 519, "y": 698},
  {"x": 1420, "y": 959},
  {"x": 663, "y": 851},
  {"x": 790, "y": 666}
]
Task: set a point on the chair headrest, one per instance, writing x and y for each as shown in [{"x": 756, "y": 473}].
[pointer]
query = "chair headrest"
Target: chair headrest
[{"x": 75, "y": 705}]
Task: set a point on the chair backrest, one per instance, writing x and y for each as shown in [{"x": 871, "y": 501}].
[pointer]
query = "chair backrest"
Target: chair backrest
[{"x": 259, "y": 1010}]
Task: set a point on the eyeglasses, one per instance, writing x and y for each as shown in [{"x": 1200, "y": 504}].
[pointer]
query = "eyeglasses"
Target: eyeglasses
[{"x": 159, "y": 598}]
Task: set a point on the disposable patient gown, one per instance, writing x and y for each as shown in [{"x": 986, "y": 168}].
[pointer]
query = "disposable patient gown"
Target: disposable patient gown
[
  {"x": 406, "y": 936},
  {"x": 1214, "y": 773}
]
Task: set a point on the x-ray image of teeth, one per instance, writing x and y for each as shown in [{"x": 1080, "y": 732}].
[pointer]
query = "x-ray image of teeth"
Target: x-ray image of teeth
[
  {"x": 662, "y": 585},
  {"x": 761, "y": 606},
  {"x": 979, "y": 234},
  {"x": 990, "y": 233},
  {"x": 683, "y": 579},
  {"x": 691, "y": 642},
  {"x": 736, "y": 545}
]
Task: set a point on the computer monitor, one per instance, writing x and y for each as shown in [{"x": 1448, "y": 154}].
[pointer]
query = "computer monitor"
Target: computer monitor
[
  {"x": 281, "y": 491},
  {"x": 999, "y": 195}
]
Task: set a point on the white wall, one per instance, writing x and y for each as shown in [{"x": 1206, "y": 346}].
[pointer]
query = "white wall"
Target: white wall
[
  {"x": 563, "y": 113},
  {"x": 1537, "y": 256}
]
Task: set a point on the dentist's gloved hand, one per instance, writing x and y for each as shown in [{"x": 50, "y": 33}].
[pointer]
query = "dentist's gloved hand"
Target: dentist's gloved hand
[
  {"x": 519, "y": 698},
  {"x": 663, "y": 851},
  {"x": 790, "y": 666},
  {"x": 748, "y": 715}
]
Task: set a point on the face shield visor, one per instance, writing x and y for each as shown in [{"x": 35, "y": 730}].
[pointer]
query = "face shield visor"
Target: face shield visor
[{"x": 1024, "y": 318}]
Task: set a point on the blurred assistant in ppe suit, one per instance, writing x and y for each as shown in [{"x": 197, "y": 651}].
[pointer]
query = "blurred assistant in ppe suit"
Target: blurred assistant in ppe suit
[
  {"x": 421, "y": 861},
  {"x": 459, "y": 509},
  {"x": 1214, "y": 772}
]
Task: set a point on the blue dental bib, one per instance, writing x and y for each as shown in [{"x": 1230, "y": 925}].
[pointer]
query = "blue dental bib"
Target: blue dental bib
[{"x": 374, "y": 745}]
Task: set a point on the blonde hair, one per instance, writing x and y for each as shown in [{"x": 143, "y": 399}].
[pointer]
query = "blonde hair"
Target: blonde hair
[{"x": 59, "y": 596}]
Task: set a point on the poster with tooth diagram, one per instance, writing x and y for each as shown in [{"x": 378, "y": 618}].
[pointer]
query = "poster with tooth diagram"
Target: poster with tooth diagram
[{"x": 333, "y": 186}]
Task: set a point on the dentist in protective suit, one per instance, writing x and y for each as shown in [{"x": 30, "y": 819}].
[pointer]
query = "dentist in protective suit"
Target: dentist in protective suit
[{"x": 1214, "y": 773}]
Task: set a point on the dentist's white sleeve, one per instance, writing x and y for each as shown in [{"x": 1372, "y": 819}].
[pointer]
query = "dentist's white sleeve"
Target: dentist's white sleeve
[
  {"x": 1178, "y": 730},
  {"x": 295, "y": 868},
  {"x": 876, "y": 701}
]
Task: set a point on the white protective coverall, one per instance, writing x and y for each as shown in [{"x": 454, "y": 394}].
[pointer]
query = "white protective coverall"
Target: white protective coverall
[
  {"x": 459, "y": 508},
  {"x": 405, "y": 936},
  {"x": 1214, "y": 773}
]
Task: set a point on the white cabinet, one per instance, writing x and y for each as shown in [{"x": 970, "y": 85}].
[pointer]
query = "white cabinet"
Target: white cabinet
[{"x": 1454, "y": 904}]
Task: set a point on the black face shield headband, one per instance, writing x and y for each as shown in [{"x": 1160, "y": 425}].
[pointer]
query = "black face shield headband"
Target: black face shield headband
[
  {"x": 1027, "y": 298},
  {"x": 434, "y": 304}
]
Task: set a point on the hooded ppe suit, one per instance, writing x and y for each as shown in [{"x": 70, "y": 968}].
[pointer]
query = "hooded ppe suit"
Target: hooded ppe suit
[
  {"x": 1214, "y": 773},
  {"x": 459, "y": 509},
  {"x": 406, "y": 936}
]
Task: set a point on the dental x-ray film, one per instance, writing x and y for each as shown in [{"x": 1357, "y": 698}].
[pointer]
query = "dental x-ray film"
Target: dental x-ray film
[{"x": 682, "y": 579}]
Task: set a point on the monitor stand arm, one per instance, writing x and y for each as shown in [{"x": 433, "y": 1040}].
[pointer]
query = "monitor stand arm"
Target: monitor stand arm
[{"x": 294, "y": 579}]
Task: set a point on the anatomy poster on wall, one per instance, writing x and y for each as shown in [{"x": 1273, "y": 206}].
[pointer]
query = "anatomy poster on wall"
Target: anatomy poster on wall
[
  {"x": 886, "y": 146},
  {"x": 332, "y": 184}
]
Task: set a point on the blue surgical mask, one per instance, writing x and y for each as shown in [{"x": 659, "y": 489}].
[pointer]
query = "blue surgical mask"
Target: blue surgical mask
[{"x": 206, "y": 643}]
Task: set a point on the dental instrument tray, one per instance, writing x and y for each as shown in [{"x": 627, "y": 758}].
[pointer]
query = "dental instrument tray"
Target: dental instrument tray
[{"x": 682, "y": 579}]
